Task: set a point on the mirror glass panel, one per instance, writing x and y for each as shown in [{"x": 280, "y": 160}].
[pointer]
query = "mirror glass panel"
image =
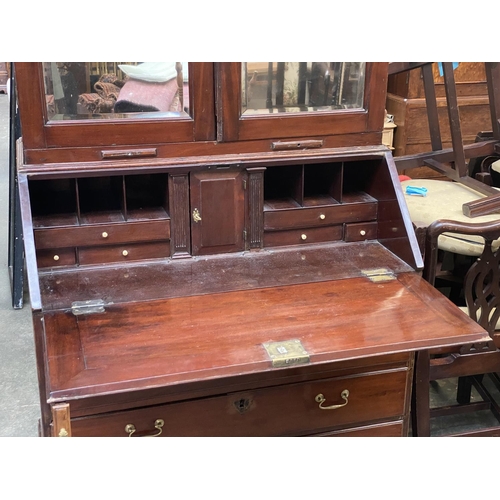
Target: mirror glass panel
[
  {"x": 291, "y": 87},
  {"x": 111, "y": 90}
]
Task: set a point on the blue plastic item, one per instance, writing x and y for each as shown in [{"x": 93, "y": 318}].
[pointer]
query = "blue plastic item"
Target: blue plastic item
[{"x": 416, "y": 191}]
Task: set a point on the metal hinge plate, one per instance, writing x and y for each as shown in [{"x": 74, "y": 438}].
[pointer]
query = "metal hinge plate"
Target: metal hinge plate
[
  {"x": 378, "y": 275},
  {"x": 286, "y": 353},
  {"x": 80, "y": 307}
]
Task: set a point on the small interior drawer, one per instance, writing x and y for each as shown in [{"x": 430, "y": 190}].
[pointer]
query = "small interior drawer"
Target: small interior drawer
[
  {"x": 319, "y": 216},
  {"x": 360, "y": 231},
  {"x": 292, "y": 409},
  {"x": 106, "y": 234},
  {"x": 303, "y": 236},
  {"x": 56, "y": 257},
  {"x": 124, "y": 253}
]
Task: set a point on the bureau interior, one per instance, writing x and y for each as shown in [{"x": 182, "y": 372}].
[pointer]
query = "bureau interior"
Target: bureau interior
[
  {"x": 130, "y": 219},
  {"x": 94, "y": 200}
]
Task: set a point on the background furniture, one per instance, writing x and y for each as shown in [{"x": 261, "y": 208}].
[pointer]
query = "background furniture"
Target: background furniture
[
  {"x": 471, "y": 361},
  {"x": 444, "y": 200},
  {"x": 452, "y": 163},
  {"x": 218, "y": 272},
  {"x": 406, "y": 101}
]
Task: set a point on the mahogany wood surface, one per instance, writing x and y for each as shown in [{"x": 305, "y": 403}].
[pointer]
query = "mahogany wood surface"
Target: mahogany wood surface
[
  {"x": 218, "y": 197},
  {"x": 310, "y": 217},
  {"x": 102, "y": 235},
  {"x": 391, "y": 429},
  {"x": 278, "y": 411},
  {"x": 218, "y": 335},
  {"x": 308, "y": 235},
  {"x": 165, "y": 279}
]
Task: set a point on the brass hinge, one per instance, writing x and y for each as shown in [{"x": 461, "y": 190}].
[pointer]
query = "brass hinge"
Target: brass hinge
[
  {"x": 244, "y": 235},
  {"x": 244, "y": 183},
  {"x": 81, "y": 307},
  {"x": 378, "y": 275}
]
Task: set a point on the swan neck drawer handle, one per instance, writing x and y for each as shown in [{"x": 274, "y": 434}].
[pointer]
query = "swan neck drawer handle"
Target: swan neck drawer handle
[
  {"x": 321, "y": 399},
  {"x": 159, "y": 423}
]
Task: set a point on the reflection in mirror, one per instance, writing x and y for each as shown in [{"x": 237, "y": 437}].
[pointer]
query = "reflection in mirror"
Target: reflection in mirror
[
  {"x": 276, "y": 87},
  {"x": 97, "y": 90}
]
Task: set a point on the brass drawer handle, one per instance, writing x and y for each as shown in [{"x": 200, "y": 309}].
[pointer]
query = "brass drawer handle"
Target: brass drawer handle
[
  {"x": 322, "y": 216},
  {"x": 303, "y": 236},
  {"x": 104, "y": 234},
  {"x": 159, "y": 423},
  {"x": 321, "y": 399}
]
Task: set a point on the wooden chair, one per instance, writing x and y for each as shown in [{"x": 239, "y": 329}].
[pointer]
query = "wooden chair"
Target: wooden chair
[
  {"x": 469, "y": 363},
  {"x": 453, "y": 163}
]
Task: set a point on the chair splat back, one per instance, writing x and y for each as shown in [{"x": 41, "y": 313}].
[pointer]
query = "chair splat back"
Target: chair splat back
[
  {"x": 482, "y": 288},
  {"x": 482, "y": 281}
]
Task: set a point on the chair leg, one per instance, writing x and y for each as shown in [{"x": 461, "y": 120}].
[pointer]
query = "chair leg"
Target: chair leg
[
  {"x": 420, "y": 413},
  {"x": 464, "y": 390}
]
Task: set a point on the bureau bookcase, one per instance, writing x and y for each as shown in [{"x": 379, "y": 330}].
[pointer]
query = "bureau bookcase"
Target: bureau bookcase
[{"x": 240, "y": 263}]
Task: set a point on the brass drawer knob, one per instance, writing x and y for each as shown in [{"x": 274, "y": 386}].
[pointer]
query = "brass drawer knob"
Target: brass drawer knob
[
  {"x": 125, "y": 253},
  {"x": 362, "y": 232},
  {"x": 159, "y": 423},
  {"x": 321, "y": 399},
  {"x": 56, "y": 257},
  {"x": 322, "y": 216},
  {"x": 303, "y": 236},
  {"x": 105, "y": 234}
]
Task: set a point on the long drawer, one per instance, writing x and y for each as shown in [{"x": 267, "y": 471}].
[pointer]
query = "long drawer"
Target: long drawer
[
  {"x": 319, "y": 216},
  {"x": 106, "y": 234},
  {"x": 292, "y": 409}
]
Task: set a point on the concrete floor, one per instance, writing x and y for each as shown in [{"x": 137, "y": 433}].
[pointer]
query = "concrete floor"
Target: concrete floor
[{"x": 19, "y": 402}]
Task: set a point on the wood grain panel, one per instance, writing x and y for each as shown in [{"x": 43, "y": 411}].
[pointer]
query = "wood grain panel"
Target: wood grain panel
[
  {"x": 219, "y": 199},
  {"x": 109, "y": 234},
  {"x": 311, "y": 217},
  {"x": 158, "y": 340},
  {"x": 303, "y": 236},
  {"x": 279, "y": 411},
  {"x": 125, "y": 252}
]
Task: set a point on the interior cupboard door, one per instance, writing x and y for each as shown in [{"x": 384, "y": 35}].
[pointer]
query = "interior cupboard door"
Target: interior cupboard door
[{"x": 217, "y": 211}]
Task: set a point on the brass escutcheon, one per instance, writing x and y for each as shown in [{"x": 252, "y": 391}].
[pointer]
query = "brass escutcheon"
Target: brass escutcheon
[{"x": 196, "y": 215}]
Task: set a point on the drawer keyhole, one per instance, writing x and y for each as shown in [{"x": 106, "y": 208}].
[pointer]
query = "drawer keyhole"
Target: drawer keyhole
[{"x": 242, "y": 405}]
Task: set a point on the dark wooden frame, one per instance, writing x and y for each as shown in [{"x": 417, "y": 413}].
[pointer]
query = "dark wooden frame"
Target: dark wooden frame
[
  {"x": 39, "y": 133},
  {"x": 231, "y": 126}
]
